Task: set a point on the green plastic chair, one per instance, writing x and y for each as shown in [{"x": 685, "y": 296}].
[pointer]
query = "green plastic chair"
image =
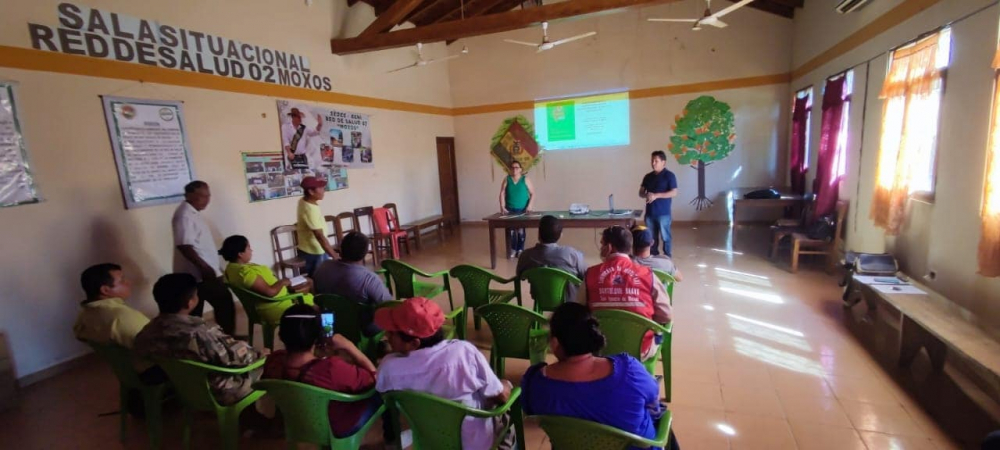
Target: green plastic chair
[
  {"x": 305, "y": 410},
  {"x": 517, "y": 333},
  {"x": 475, "y": 283},
  {"x": 406, "y": 284},
  {"x": 190, "y": 379},
  {"x": 347, "y": 316},
  {"x": 451, "y": 330},
  {"x": 624, "y": 331},
  {"x": 548, "y": 286},
  {"x": 250, "y": 301},
  {"x": 437, "y": 423},
  {"x": 573, "y": 433},
  {"x": 385, "y": 277},
  {"x": 668, "y": 281},
  {"x": 120, "y": 359}
]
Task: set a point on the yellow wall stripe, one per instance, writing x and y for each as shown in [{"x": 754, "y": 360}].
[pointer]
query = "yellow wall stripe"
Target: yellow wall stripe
[
  {"x": 30, "y": 59},
  {"x": 890, "y": 19}
]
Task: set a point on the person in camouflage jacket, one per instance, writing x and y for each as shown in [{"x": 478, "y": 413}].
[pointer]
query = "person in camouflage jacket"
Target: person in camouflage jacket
[{"x": 177, "y": 334}]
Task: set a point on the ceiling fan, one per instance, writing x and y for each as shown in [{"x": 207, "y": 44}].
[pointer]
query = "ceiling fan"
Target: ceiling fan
[
  {"x": 708, "y": 18},
  {"x": 420, "y": 62},
  {"x": 546, "y": 44}
]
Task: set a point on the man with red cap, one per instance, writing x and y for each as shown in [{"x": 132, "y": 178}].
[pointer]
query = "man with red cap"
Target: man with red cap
[
  {"x": 310, "y": 227},
  {"x": 618, "y": 282},
  {"x": 422, "y": 360}
]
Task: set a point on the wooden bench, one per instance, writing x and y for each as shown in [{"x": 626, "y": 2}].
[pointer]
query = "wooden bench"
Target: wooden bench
[
  {"x": 417, "y": 227},
  {"x": 940, "y": 326}
]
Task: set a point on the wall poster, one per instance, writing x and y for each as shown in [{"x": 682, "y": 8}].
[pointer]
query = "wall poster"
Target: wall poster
[
  {"x": 151, "y": 149},
  {"x": 313, "y": 137},
  {"x": 16, "y": 183},
  {"x": 268, "y": 177}
]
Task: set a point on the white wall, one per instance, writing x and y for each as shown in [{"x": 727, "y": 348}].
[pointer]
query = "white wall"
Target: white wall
[
  {"x": 941, "y": 236},
  {"x": 627, "y": 53},
  {"x": 82, "y": 220}
]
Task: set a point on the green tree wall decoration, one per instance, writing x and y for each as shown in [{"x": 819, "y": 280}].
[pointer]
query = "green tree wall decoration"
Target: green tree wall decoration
[{"x": 703, "y": 133}]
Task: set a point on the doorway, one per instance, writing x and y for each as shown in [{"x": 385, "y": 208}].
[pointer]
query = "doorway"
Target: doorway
[{"x": 448, "y": 180}]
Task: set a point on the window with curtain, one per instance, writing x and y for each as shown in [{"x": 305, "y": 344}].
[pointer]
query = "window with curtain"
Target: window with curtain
[
  {"x": 799, "y": 148},
  {"x": 907, "y": 156},
  {"x": 989, "y": 243},
  {"x": 831, "y": 162}
]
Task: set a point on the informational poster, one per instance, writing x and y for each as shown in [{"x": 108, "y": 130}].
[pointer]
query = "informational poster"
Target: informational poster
[
  {"x": 268, "y": 177},
  {"x": 151, "y": 149},
  {"x": 16, "y": 184},
  {"x": 313, "y": 137}
]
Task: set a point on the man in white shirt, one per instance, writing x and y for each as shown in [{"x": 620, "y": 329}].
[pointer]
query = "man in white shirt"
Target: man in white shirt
[
  {"x": 195, "y": 253},
  {"x": 296, "y": 139},
  {"x": 422, "y": 360}
]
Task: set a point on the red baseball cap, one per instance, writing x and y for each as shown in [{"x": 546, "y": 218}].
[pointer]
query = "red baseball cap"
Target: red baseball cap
[
  {"x": 311, "y": 182},
  {"x": 417, "y": 317}
]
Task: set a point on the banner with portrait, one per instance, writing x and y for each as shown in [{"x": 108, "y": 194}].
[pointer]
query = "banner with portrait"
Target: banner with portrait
[
  {"x": 269, "y": 177},
  {"x": 313, "y": 137}
]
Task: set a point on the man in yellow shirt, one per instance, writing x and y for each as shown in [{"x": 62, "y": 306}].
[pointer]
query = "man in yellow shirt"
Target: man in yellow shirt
[
  {"x": 313, "y": 246},
  {"x": 106, "y": 319}
]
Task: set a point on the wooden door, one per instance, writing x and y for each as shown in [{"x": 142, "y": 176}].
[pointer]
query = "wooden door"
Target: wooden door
[{"x": 448, "y": 179}]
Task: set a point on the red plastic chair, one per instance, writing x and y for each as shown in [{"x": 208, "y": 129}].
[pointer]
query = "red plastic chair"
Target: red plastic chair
[{"x": 387, "y": 229}]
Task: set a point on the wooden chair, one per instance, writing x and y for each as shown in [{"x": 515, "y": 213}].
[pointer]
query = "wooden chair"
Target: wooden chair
[
  {"x": 802, "y": 245},
  {"x": 409, "y": 229},
  {"x": 331, "y": 232},
  {"x": 783, "y": 228},
  {"x": 281, "y": 251},
  {"x": 346, "y": 222}
]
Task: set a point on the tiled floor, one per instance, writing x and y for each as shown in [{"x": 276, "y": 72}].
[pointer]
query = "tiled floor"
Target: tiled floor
[{"x": 762, "y": 360}]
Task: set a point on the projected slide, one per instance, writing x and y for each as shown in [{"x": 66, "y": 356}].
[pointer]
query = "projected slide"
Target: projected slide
[{"x": 594, "y": 121}]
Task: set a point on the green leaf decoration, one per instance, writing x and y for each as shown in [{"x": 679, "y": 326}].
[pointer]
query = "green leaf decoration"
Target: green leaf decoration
[{"x": 704, "y": 132}]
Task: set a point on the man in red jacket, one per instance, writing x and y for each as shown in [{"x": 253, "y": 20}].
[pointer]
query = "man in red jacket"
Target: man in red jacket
[{"x": 620, "y": 283}]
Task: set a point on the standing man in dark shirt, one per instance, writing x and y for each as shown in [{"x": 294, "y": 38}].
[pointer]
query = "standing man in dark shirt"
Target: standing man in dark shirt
[{"x": 658, "y": 188}]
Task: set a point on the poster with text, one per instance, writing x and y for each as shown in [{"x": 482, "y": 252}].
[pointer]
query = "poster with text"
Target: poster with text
[
  {"x": 313, "y": 137},
  {"x": 151, "y": 149},
  {"x": 269, "y": 177},
  {"x": 16, "y": 184}
]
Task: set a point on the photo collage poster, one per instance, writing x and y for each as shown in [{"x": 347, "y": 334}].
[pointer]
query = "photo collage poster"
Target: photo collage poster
[{"x": 268, "y": 176}]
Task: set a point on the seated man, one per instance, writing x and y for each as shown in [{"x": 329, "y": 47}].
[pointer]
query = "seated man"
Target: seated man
[
  {"x": 175, "y": 333},
  {"x": 422, "y": 360},
  {"x": 642, "y": 243},
  {"x": 548, "y": 253},
  {"x": 104, "y": 317},
  {"x": 620, "y": 283},
  {"x": 349, "y": 278}
]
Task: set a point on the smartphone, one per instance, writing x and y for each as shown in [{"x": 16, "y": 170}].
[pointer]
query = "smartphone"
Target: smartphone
[{"x": 327, "y": 320}]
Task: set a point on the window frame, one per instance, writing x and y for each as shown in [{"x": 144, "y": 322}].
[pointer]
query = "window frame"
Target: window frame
[{"x": 808, "y": 91}]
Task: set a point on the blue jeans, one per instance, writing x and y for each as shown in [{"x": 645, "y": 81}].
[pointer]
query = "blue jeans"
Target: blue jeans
[
  {"x": 312, "y": 262},
  {"x": 516, "y": 236},
  {"x": 660, "y": 228}
]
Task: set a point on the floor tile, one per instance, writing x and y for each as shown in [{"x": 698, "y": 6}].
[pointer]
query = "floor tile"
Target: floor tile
[
  {"x": 752, "y": 401},
  {"x": 889, "y": 419},
  {"x": 868, "y": 390},
  {"x": 815, "y": 410},
  {"x": 826, "y": 437},
  {"x": 759, "y": 433},
  {"x": 702, "y": 395},
  {"x": 884, "y": 441}
]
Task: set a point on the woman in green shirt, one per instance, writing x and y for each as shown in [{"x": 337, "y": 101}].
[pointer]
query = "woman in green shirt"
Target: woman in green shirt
[
  {"x": 240, "y": 272},
  {"x": 516, "y": 197}
]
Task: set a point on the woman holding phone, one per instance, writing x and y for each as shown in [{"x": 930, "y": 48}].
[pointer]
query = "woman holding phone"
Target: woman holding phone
[
  {"x": 517, "y": 195},
  {"x": 302, "y": 331}
]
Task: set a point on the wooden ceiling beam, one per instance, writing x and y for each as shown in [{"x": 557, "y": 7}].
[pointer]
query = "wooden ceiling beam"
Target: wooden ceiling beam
[
  {"x": 486, "y": 24},
  {"x": 771, "y": 7},
  {"x": 419, "y": 14},
  {"x": 391, "y": 17},
  {"x": 472, "y": 8},
  {"x": 503, "y": 7},
  {"x": 789, "y": 3}
]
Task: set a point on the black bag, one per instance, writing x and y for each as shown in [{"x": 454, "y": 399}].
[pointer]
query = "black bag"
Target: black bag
[
  {"x": 822, "y": 229},
  {"x": 762, "y": 194}
]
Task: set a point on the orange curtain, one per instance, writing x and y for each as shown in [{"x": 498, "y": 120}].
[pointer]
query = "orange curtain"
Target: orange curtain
[
  {"x": 989, "y": 243},
  {"x": 908, "y": 91}
]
